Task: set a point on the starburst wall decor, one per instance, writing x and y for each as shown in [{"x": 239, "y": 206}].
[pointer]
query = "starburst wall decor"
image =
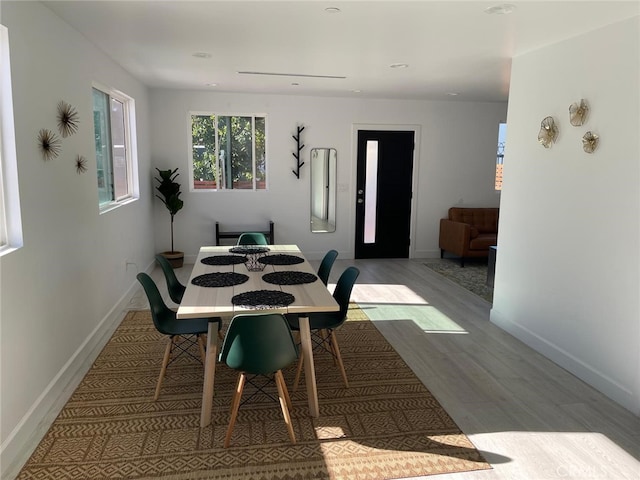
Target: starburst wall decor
[
  {"x": 67, "y": 119},
  {"x": 81, "y": 164},
  {"x": 49, "y": 144}
]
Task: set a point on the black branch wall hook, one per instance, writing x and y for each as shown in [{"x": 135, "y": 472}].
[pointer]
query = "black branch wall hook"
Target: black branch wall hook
[{"x": 299, "y": 146}]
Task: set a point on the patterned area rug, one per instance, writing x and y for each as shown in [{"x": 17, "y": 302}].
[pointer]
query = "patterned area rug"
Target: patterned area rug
[
  {"x": 385, "y": 425},
  {"x": 472, "y": 276}
]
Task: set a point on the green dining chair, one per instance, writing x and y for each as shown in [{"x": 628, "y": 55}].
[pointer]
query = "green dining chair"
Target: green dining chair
[
  {"x": 325, "y": 265},
  {"x": 324, "y": 324},
  {"x": 323, "y": 274},
  {"x": 258, "y": 345},
  {"x": 176, "y": 289},
  {"x": 252, "y": 238},
  {"x": 180, "y": 332}
]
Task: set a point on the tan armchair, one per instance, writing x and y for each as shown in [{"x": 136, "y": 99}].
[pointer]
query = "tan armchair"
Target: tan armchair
[{"x": 469, "y": 232}]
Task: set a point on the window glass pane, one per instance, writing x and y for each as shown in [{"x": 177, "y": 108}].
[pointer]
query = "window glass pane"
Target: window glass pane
[
  {"x": 203, "y": 140},
  {"x": 502, "y": 135},
  {"x": 224, "y": 146},
  {"x": 118, "y": 137},
  {"x": 103, "y": 150},
  {"x": 10, "y": 218},
  {"x": 115, "y": 142},
  {"x": 371, "y": 191},
  {"x": 228, "y": 151},
  {"x": 242, "y": 152},
  {"x": 260, "y": 154},
  {"x": 3, "y": 216}
]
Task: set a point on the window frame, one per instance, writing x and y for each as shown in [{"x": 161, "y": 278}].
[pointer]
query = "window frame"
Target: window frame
[
  {"x": 219, "y": 180},
  {"x": 11, "y": 237},
  {"x": 130, "y": 146}
]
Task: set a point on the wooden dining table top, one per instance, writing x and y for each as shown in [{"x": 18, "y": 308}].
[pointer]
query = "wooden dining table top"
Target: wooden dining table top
[{"x": 202, "y": 301}]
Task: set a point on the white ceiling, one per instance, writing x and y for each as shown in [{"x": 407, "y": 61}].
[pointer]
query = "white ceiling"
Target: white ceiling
[{"x": 449, "y": 46}]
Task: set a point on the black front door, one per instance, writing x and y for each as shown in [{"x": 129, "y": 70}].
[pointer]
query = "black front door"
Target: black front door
[{"x": 384, "y": 183}]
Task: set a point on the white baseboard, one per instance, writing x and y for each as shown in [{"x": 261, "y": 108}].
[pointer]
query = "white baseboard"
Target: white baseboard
[
  {"x": 22, "y": 441},
  {"x": 426, "y": 254},
  {"x": 587, "y": 373}
]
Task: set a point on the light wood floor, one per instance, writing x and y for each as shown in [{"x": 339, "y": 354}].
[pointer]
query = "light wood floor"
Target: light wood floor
[{"x": 531, "y": 419}]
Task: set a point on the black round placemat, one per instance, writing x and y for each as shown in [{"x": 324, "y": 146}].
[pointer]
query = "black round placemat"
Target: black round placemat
[
  {"x": 280, "y": 259},
  {"x": 249, "y": 250},
  {"x": 222, "y": 279},
  {"x": 263, "y": 299},
  {"x": 289, "y": 278},
  {"x": 224, "y": 260}
]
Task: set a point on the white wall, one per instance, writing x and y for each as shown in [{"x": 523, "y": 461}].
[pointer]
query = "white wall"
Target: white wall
[
  {"x": 63, "y": 291},
  {"x": 456, "y": 162},
  {"x": 567, "y": 274}
]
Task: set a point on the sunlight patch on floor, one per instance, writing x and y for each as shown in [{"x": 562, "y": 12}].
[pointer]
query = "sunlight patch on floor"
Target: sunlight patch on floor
[
  {"x": 385, "y": 293},
  {"x": 399, "y": 302},
  {"x": 428, "y": 318},
  {"x": 561, "y": 455}
]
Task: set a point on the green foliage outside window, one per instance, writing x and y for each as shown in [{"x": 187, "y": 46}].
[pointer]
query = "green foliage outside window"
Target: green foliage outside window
[
  {"x": 204, "y": 147},
  {"x": 230, "y": 162}
]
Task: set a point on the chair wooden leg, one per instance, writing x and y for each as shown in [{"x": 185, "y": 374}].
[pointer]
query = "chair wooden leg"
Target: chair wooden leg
[
  {"x": 201, "y": 343},
  {"x": 235, "y": 406},
  {"x": 286, "y": 392},
  {"x": 334, "y": 345},
  {"x": 330, "y": 340},
  {"x": 163, "y": 369},
  {"x": 284, "y": 401},
  {"x": 298, "y": 371}
]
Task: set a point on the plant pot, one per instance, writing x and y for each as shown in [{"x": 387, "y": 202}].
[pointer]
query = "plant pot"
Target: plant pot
[{"x": 176, "y": 259}]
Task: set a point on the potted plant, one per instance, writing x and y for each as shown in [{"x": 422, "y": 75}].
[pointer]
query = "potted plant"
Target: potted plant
[{"x": 170, "y": 195}]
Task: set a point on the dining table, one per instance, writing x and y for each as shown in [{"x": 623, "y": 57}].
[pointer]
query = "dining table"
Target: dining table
[{"x": 231, "y": 280}]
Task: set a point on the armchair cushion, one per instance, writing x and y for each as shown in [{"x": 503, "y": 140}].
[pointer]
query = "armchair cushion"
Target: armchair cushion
[
  {"x": 469, "y": 232},
  {"x": 483, "y": 242}
]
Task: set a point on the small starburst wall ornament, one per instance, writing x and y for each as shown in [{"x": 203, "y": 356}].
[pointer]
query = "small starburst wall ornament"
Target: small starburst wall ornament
[
  {"x": 49, "y": 144},
  {"x": 81, "y": 164},
  {"x": 67, "y": 119}
]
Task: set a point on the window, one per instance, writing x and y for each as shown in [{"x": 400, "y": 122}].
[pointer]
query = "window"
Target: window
[
  {"x": 10, "y": 220},
  {"x": 371, "y": 193},
  {"x": 502, "y": 135},
  {"x": 228, "y": 152},
  {"x": 114, "y": 129}
]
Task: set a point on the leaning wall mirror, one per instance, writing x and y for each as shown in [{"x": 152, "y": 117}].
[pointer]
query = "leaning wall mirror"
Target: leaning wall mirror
[{"x": 323, "y": 190}]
